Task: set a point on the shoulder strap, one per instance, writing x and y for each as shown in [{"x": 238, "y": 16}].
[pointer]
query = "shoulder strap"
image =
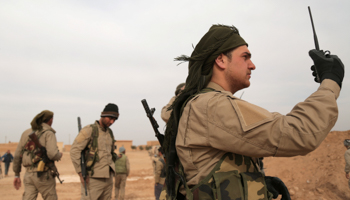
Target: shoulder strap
[
  {"x": 91, "y": 149},
  {"x": 94, "y": 136}
]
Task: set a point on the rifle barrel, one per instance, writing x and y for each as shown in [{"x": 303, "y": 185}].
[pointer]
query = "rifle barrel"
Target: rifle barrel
[
  {"x": 79, "y": 124},
  {"x": 82, "y": 163}
]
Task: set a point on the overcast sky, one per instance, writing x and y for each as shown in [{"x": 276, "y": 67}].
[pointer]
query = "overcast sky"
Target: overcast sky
[{"x": 74, "y": 57}]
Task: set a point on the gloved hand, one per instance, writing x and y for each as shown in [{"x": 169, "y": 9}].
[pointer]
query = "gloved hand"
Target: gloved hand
[
  {"x": 326, "y": 67},
  {"x": 276, "y": 187}
]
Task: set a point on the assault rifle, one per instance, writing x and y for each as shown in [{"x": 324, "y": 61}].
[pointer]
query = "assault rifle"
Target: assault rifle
[
  {"x": 82, "y": 161},
  {"x": 45, "y": 159},
  {"x": 154, "y": 123}
]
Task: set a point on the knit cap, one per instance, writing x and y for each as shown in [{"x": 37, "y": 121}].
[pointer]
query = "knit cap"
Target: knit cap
[{"x": 111, "y": 110}]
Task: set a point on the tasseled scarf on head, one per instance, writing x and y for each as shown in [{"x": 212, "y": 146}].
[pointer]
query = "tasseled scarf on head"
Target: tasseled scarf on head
[
  {"x": 40, "y": 118},
  {"x": 219, "y": 39}
]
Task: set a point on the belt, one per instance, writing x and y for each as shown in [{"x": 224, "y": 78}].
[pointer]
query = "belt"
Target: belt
[{"x": 33, "y": 169}]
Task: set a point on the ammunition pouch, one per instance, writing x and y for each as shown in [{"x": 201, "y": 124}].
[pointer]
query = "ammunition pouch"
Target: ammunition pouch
[
  {"x": 91, "y": 157},
  {"x": 225, "y": 183}
]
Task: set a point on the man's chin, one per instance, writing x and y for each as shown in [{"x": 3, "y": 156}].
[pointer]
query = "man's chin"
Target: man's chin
[{"x": 247, "y": 84}]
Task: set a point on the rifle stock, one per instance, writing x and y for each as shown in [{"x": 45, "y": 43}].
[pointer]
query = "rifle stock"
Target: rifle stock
[{"x": 82, "y": 162}]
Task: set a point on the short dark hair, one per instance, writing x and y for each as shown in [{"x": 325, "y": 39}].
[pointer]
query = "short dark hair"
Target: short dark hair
[{"x": 228, "y": 53}]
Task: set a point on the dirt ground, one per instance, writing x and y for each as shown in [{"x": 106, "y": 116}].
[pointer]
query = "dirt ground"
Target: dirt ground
[
  {"x": 139, "y": 185},
  {"x": 317, "y": 176}
]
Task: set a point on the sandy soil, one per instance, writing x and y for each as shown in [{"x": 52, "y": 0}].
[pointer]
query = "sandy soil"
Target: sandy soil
[
  {"x": 317, "y": 176},
  {"x": 139, "y": 185}
]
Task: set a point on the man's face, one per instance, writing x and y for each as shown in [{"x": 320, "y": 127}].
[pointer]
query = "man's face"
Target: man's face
[
  {"x": 107, "y": 121},
  {"x": 239, "y": 69},
  {"x": 50, "y": 122}
]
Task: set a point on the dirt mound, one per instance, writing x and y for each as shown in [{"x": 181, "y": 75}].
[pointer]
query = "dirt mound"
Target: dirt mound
[{"x": 317, "y": 176}]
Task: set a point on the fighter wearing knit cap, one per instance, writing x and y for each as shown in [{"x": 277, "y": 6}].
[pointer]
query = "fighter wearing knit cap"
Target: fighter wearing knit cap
[
  {"x": 213, "y": 139},
  {"x": 25, "y": 155},
  {"x": 97, "y": 142}
]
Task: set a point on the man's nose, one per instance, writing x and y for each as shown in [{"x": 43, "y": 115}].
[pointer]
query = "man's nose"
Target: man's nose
[{"x": 251, "y": 65}]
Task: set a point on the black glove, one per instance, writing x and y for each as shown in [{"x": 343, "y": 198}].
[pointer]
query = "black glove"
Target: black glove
[
  {"x": 277, "y": 187},
  {"x": 326, "y": 66}
]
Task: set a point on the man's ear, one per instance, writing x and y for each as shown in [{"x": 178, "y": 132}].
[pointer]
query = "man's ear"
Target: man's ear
[{"x": 220, "y": 61}]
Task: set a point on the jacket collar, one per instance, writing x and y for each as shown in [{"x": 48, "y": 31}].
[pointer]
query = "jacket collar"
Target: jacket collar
[
  {"x": 98, "y": 125},
  {"x": 47, "y": 127},
  {"x": 217, "y": 87}
]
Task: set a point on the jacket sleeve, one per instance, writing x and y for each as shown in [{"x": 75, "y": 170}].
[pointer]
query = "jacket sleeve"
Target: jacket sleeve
[
  {"x": 51, "y": 146},
  {"x": 17, "y": 160},
  {"x": 78, "y": 146},
  {"x": 165, "y": 113},
  {"x": 237, "y": 126}
]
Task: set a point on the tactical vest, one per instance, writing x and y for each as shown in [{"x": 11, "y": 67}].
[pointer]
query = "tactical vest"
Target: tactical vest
[
  {"x": 91, "y": 150},
  {"x": 120, "y": 165},
  {"x": 233, "y": 177}
]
